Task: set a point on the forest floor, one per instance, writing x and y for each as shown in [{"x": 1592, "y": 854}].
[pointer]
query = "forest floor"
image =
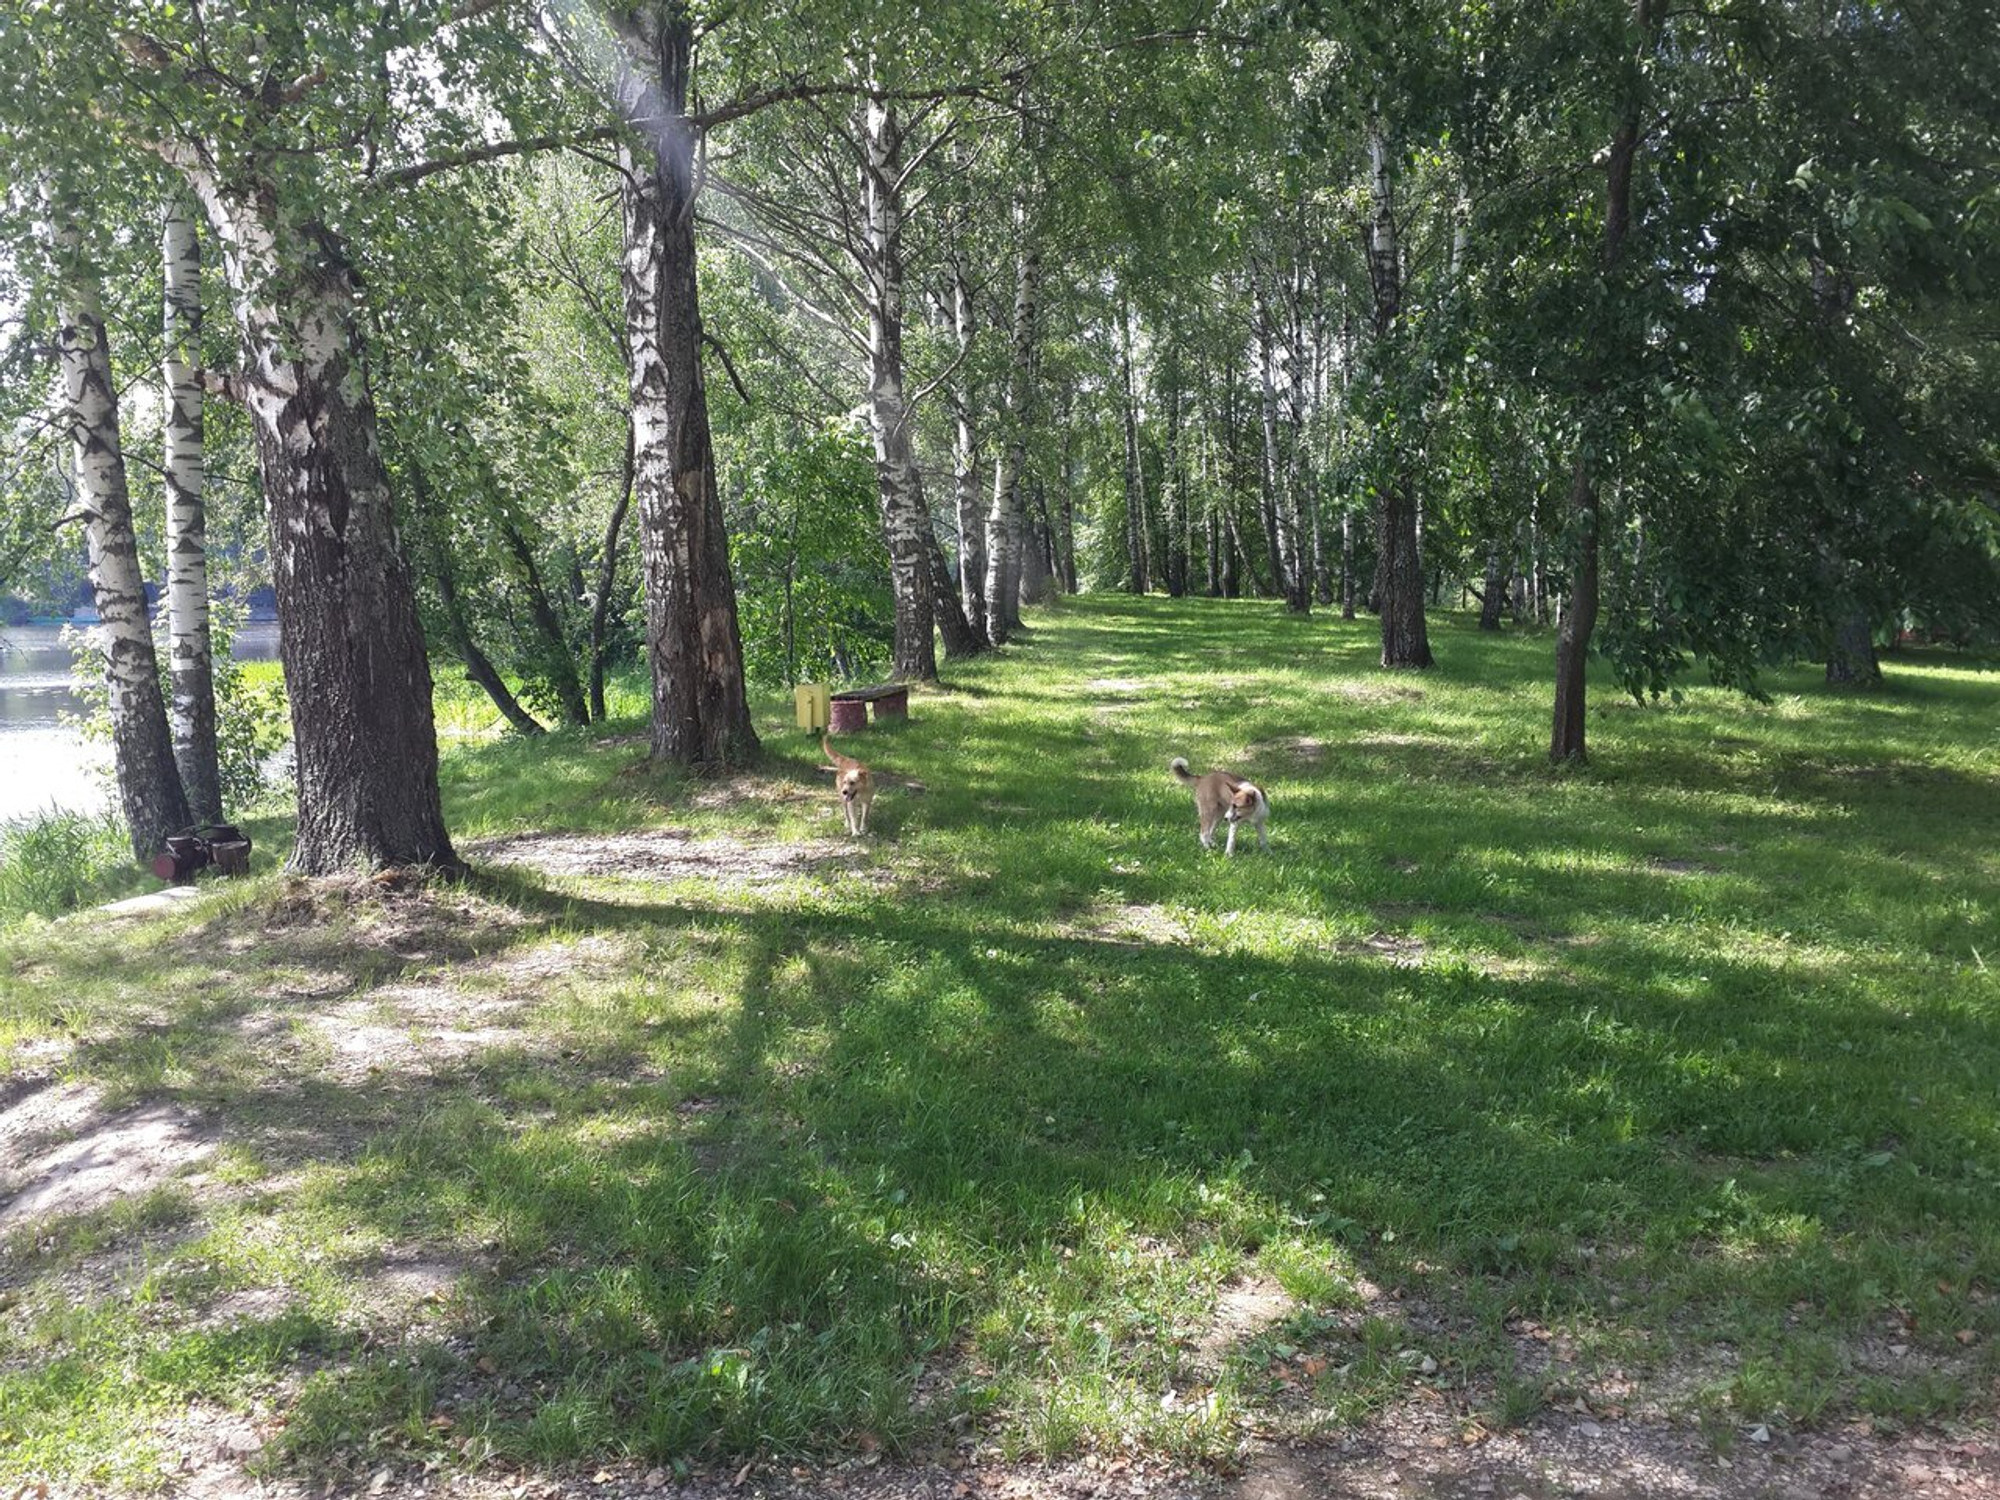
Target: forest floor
[{"x": 1500, "y": 1132}]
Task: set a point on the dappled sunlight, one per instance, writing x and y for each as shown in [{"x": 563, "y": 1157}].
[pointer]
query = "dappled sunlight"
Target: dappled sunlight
[{"x": 759, "y": 1135}]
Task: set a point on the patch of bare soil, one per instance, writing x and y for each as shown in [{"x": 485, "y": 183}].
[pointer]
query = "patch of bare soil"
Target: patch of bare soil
[
  {"x": 1409, "y": 1455},
  {"x": 1129, "y": 923},
  {"x": 1243, "y": 1310},
  {"x": 398, "y": 915},
  {"x": 670, "y": 854},
  {"x": 417, "y": 1026},
  {"x": 1379, "y": 692},
  {"x": 1397, "y": 741},
  {"x": 1300, "y": 748},
  {"x": 60, "y": 1153},
  {"x": 1668, "y": 866},
  {"x": 1400, "y": 949},
  {"x": 1418, "y": 1451},
  {"x": 765, "y": 791}
]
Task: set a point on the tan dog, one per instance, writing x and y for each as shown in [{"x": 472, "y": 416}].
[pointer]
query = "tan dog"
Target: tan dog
[
  {"x": 1223, "y": 796},
  {"x": 855, "y": 785}
]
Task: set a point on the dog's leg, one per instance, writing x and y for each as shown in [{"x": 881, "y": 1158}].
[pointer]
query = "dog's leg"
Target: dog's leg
[
  {"x": 1263, "y": 838},
  {"x": 861, "y": 816},
  {"x": 1229, "y": 844}
]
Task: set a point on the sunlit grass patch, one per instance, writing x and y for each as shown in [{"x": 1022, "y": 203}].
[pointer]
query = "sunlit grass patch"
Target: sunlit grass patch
[{"x": 784, "y": 1141}]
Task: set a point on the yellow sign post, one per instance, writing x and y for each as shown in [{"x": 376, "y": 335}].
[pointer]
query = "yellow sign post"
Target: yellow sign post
[{"x": 813, "y": 702}]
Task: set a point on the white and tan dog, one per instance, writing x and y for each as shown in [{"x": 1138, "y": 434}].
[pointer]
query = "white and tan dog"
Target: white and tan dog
[
  {"x": 1223, "y": 796},
  {"x": 855, "y": 785}
]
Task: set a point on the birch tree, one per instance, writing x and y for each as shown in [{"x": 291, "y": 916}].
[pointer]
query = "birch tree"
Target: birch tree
[
  {"x": 149, "y": 783},
  {"x": 184, "y": 468}
]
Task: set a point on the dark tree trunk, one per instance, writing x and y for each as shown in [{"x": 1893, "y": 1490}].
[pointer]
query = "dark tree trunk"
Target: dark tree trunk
[
  {"x": 701, "y": 714},
  {"x": 1566, "y": 737},
  {"x": 1347, "y": 579},
  {"x": 1850, "y": 658},
  {"x": 478, "y": 665},
  {"x": 356, "y": 671},
  {"x": 1038, "y": 553},
  {"x": 1399, "y": 572},
  {"x": 554, "y": 652},
  {"x": 607, "y": 580},
  {"x": 1494, "y": 597},
  {"x": 1579, "y": 618},
  {"x": 959, "y": 639},
  {"x": 1399, "y": 578}
]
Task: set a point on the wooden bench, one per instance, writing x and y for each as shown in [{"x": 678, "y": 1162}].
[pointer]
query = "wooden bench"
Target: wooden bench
[{"x": 848, "y": 709}]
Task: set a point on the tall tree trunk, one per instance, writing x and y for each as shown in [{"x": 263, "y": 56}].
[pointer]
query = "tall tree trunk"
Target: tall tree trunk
[
  {"x": 1850, "y": 656},
  {"x": 1347, "y": 579},
  {"x": 1173, "y": 488},
  {"x": 1494, "y": 597},
  {"x": 959, "y": 641},
  {"x": 1294, "y": 492},
  {"x": 1066, "y": 542},
  {"x": 701, "y": 713},
  {"x": 1272, "y": 471},
  {"x": 364, "y": 742},
  {"x": 1007, "y": 523},
  {"x": 965, "y": 471},
  {"x": 906, "y": 520},
  {"x": 1579, "y": 618},
  {"x": 1211, "y": 575},
  {"x": 356, "y": 671},
  {"x": 563, "y": 680},
  {"x": 479, "y": 666},
  {"x": 1037, "y": 553},
  {"x": 607, "y": 580},
  {"x": 190, "y": 656},
  {"x": 149, "y": 783},
  {"x": 1137, "y": 544},
  {"x": 1399, "y": 574}
]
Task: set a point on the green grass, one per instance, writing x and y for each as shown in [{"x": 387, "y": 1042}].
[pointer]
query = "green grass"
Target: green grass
[{"x": 1667, "y": 1085}]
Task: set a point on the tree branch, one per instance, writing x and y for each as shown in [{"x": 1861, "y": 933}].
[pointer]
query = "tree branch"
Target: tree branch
[
  {"x": 525, "y": 146},
  {"x": 727, "y": 364}
]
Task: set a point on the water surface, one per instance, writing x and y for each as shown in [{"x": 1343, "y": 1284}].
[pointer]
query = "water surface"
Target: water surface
[{"x": 43, "y": 761}]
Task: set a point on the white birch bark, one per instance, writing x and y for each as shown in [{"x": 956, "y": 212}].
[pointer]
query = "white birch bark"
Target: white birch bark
[
  {"x": 149, "y": 784},
  {"x": 972, "y": 548},
  {"x": 905, "y": 516},
  {"x": 356, "y": 669},
  {"x": 190, "y": 656}
]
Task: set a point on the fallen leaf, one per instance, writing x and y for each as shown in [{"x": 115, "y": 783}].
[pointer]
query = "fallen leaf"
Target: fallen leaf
[
  {"x": 741, "y": 1475},
  {"x": 1966, "y": 1336},
  {"x": 486, "y": 1365}
]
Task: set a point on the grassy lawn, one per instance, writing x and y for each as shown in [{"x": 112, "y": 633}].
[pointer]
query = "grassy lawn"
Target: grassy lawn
[{"x": 1670, "y": 1087}]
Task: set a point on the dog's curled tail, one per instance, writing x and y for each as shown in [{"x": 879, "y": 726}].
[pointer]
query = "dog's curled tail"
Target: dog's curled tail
[
  {"x": 840, "y": 762},
  {"x": 1181, "y": 771}
]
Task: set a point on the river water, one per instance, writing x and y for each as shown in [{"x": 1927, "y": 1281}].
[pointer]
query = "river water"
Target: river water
[{"x": 44, "y": 762}]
